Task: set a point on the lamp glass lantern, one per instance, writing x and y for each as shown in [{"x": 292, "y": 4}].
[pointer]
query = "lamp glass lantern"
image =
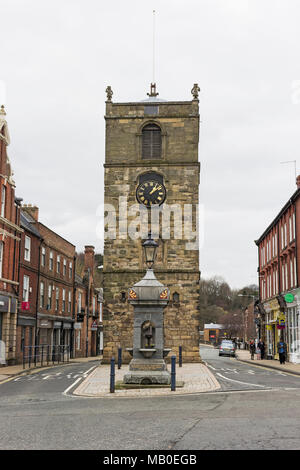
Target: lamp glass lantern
[{"x": 150, "y": 249}]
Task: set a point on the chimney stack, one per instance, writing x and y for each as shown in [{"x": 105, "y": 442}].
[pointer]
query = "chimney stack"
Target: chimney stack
[
  {"x": 32, "y": 210},
  {"x": 89, "y": 258}
]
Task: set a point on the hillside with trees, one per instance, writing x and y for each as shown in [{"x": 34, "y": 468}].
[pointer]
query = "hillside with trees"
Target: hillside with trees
[{"x": 220, "y": 304}]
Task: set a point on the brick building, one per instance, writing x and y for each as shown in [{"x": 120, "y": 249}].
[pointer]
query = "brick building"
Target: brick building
[
  {"x": 88, "y": 327},
  {"x": 212, "y": 332},
  {"x": 29, "y": 262},
  {"x": 152, "y": 143},
  {"x": 279, "y": 293},
  {"x": 55, "y": 315},
  {"x": 10, "y": 235}
]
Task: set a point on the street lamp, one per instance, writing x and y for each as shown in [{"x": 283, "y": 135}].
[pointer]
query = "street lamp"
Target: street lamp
[{"x": 150, "y": 249}]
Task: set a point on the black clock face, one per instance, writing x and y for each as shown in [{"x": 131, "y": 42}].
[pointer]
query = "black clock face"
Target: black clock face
[{"x": 151, "y": 193}]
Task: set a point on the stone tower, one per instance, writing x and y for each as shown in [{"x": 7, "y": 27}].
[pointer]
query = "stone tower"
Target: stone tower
[{"x": 151, "y": 158}]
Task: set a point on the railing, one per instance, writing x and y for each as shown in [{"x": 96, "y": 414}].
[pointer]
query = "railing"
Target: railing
[{"x": 45, "y": 354}]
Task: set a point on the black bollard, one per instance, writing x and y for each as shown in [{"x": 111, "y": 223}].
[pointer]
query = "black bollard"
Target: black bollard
[
  {"x": 180, "y": 356},
  {"x": 173, "y": 373},
  {"x": 119, "y": 358},
  {"x": 112, "y": 375}
]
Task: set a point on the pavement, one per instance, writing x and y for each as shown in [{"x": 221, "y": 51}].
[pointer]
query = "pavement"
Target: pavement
[
  {"x": 8, "y": 372},
  {"x": 245, "y": 356},
  {"x": 197, "y": 378}
]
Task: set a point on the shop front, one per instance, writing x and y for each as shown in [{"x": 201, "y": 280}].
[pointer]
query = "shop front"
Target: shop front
[
  {"x": 66, "y": 334},
  {"x": 8, "y": 329},
  {"x": 25, "y": 334},
  {"x": 57, "y": 325},
  {"x": 273, "y": 313},
  {"x": 293, "y": 325},
  {"x": 45, "y": 331}
]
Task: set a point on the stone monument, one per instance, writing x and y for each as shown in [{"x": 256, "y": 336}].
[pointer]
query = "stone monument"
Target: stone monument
[{"x": 149, "y": 298}]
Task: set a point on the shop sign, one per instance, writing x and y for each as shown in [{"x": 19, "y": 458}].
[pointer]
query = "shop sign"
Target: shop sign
[
  {"x": 57, "y": 324},
  {"x": 25, "y": 306},
  {"x": 281, "y": 317},
  {"x": 67, "y": 326},
  {"x": 77, "y": 326},
  {"x": 44, "y": 324},
  {"x": 281, "y": 321},
  {"x": 289, "y": 298},
  {"x": 269, "y": 327}
]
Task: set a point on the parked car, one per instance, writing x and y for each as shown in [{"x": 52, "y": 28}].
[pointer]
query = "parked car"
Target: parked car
[{"x": 227, "y": 348}]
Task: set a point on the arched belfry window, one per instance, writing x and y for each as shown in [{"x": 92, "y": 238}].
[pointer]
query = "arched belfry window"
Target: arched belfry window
[{"x": 151, "y": 142}]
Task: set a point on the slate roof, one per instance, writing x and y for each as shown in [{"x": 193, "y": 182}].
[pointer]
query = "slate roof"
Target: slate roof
[{"x": 28, "y": 223}]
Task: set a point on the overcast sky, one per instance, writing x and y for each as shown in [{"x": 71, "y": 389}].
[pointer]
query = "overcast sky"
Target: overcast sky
[{"x": 58, "y": 56}]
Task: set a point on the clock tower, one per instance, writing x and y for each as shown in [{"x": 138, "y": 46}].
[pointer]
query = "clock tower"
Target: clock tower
[{"x": 151, "y": 183}]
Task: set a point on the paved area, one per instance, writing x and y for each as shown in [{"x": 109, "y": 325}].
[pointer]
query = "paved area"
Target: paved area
[
  {"x": 245, "y": 356},
  {"x": 38, "y": 412},
  {"x": 196, "y": 377},
  {"x": 12, "y": 371}
]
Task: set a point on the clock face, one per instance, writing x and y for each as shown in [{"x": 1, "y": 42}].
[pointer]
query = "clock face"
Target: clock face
[{"x": 151, "y": 193}]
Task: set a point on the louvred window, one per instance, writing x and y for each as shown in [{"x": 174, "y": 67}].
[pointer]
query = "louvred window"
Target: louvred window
[{"x": 151, "y": 142}]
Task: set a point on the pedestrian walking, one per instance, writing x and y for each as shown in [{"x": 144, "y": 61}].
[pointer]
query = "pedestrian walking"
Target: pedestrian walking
[
  {"x": 261, "y": 347},
  {"x": 252, "y": 349},
  {"x": 282, "y": 350}
]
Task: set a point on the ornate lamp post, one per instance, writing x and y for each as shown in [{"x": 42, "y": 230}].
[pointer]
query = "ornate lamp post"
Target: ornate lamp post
[{"x": 150, "y": 249}]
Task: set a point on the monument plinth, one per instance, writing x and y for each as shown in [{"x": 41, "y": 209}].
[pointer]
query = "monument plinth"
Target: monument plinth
[{"x": 149, "y": 298}]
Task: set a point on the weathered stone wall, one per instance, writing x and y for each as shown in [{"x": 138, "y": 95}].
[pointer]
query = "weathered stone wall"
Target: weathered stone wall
[{"x": 176, "y": 267}]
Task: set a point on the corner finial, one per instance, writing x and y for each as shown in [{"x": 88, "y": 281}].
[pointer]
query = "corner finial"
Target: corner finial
[
  {"x": 109, "y": 94},
  {"x": 195, "y": 91},
  {"x": 2, "y": 110},
  {"x": 153, "y": 90}
]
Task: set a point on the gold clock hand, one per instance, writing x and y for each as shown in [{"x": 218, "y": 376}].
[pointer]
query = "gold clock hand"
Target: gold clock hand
[{"x": 156, "y": 188}]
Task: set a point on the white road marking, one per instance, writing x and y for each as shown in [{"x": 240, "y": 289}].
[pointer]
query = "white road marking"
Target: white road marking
[
  {"x": 237, "y": 381},
  {"x": 211, "y": 367},
  {"x": 233, "y": 370},
  {"x": 71, "y": 386},
  {"x": 47, "y": 377},
  {"x": 18, "y": 378},
  {"x": 85, "y": 374}
]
